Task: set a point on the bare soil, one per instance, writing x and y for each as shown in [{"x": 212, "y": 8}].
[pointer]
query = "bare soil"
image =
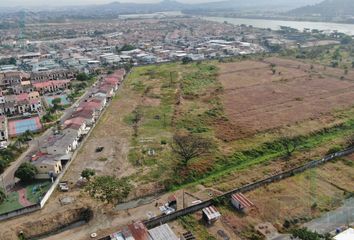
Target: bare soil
[{"x": 257, "y": 100}]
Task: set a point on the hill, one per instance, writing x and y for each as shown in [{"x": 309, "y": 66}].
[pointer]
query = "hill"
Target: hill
[{"x": 327, "y": 9}]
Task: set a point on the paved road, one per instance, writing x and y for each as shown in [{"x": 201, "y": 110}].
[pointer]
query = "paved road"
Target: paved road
[
  {"x": 7, "y": 178},
  {"x": 334, "y": 219}
]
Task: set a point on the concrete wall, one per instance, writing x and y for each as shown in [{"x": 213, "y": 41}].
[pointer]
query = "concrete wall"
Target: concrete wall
[
  {"x": 164, "y": 219},
  {"x": 20, "y": 212}
]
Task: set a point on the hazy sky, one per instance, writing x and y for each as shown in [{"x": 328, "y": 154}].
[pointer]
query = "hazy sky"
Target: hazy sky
[{"x": 6, "y": 3}]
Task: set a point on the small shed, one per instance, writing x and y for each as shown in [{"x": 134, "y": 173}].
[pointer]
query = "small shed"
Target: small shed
[
  {"x": 211, "y": 214},
  {"x": 241, "y": 202}
]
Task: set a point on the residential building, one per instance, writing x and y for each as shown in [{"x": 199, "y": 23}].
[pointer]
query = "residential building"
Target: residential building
[
  {"x": 48, "y": 166},
  {"x": 4, "y": 134}
]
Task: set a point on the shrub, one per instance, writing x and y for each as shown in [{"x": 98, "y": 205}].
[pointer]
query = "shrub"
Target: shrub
[{"x": 88, "y": 173}]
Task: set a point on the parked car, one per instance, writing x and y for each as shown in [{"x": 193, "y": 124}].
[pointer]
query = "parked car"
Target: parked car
[{"x": 63, "y": 186}]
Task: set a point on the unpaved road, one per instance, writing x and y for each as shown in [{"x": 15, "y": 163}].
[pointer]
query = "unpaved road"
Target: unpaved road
[{"x": 331, "y": 220}]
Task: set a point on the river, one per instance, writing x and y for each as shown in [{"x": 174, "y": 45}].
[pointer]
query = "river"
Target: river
[{"x": 275, "y": 24}]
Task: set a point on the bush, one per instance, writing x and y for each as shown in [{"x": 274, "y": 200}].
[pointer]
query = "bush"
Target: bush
[
  {"x": 305, "y": 234},
  {"x": 109, "y": 189},
  {"x": 334, "y": 149},
  {"x": 2, "y": 196},
  {"x": 88, "y": 173}
]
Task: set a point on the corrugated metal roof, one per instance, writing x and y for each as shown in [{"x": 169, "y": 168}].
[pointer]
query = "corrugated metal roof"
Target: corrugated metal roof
[
  {"x": 242, "y": 199},
  {"x": 163, "y": 232},
  {"x": 139, "y": 231},
  {"x": 211, "y": 212}
]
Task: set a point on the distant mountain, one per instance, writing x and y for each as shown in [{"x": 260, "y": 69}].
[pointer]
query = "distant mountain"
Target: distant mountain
[
  {"x": 257, "y": 4},
  {"x": 114, "y": 9},
  {"x": 327, "y": 9}
]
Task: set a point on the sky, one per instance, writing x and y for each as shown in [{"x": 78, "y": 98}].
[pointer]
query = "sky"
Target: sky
[{"x": 12, "y": 3}]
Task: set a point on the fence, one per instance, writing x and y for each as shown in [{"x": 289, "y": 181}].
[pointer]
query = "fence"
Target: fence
[
  {"x": 166, "y": 218},
  {"x": 20, "y": 211}
]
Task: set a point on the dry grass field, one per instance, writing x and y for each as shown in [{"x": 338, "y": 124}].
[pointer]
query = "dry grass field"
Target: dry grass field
[{"x": 256, "y": 100}]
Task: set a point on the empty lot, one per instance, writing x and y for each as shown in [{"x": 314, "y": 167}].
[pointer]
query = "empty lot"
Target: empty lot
[{"x": 263, "y": 95}]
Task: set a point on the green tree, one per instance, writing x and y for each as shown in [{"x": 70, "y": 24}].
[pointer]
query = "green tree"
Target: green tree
[
  {"x": 3, "y": 165},
  {"x": 88, "y": 173},
  {"x": 56, "y": 102},
  {"x": 290, "y": 144},
  {"x": 2, "y": 196},
  {"x": 109, "y": 189},
  {"x": 28, "y": 135},
  {"x": 346, "y": 39},
  {"x": 82, "y": 77},
  {"x": 26, "y": 172},
  {"x": 186, "y": 60},
  {"x": 21, "y": 140},
  {"x": 127, "y": 47}
]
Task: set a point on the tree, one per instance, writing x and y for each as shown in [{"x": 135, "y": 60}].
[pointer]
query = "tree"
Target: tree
[
  {"x": 188, "y": 146},
  {"x": 109, "y": 189},
  {"x": 136, "y": 117},
  {"x": 346, "y": 39},
  {"x": 2, "y": 196},
  {"x": 88, "y": 173},
  {"x": 82, "y": 77},
  {"x": 186, "y": 60},
  {"x": 3, "y": 165},
  {"x": 28, "y": 135},
  {"x": 56, "y": 102},
  {"x": 20, "y": 141},
  {"x": 127, "y": 47},
  {"x": 26, "y": 172},
  {"x": 290, "y": 144}
]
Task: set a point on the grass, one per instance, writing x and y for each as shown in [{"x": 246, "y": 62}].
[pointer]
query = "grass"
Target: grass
[
  {"x": 33, "y": 193},
  {"x": 267, "y": 152},
  {"x": 191, "y": 224},
  {"x": 11, "y": 203},
  {"x": 36, "y": 190}
]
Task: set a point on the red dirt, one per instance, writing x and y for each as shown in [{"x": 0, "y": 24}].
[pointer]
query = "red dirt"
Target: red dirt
[{"x": 22, "y": 199}]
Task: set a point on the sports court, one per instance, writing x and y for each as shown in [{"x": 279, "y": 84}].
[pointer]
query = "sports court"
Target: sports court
[{"x": 19, "y": 126}]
